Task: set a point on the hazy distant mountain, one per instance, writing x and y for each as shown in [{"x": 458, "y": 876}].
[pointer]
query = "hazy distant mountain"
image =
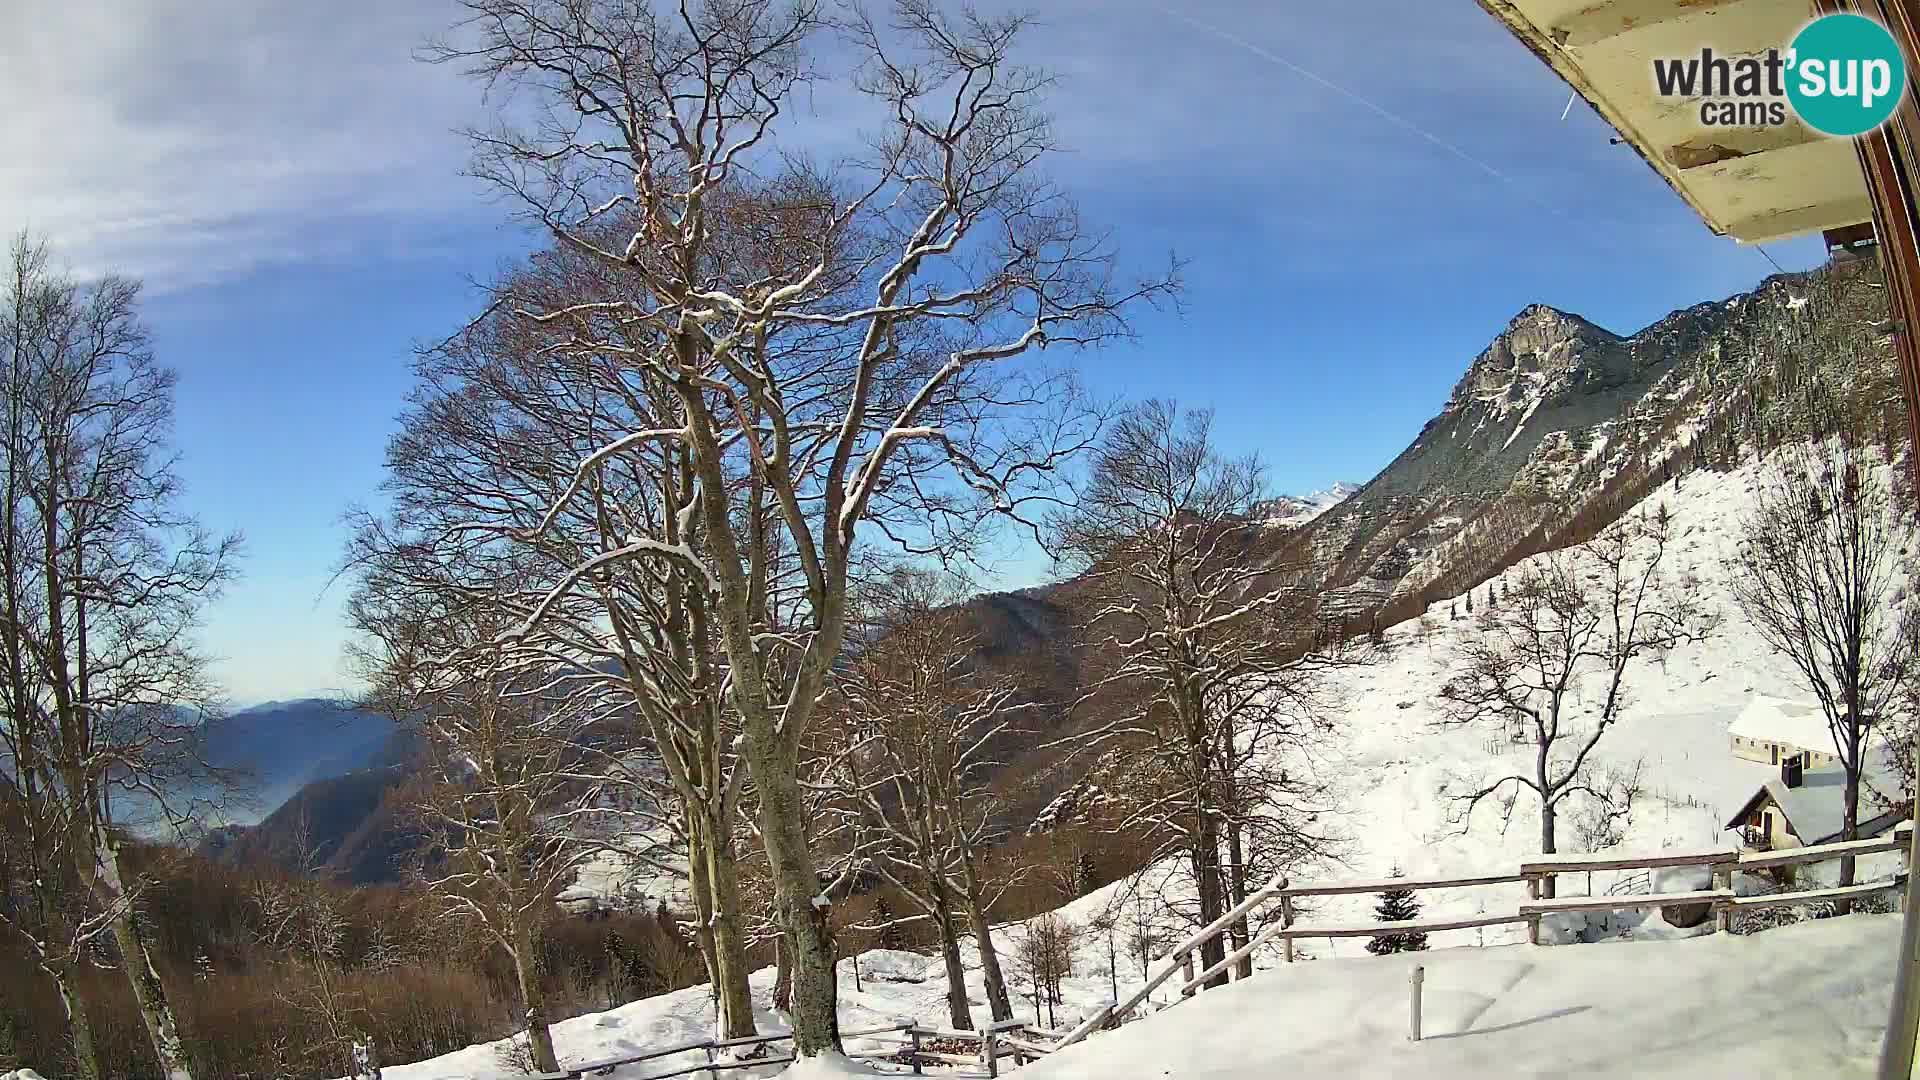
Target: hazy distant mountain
[
  {"x": 281, "y": 746},
  {"x": 350, "y": 827}
]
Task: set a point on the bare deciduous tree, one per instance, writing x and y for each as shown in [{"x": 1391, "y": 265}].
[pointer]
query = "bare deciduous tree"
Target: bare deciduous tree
[
  {"x": 1216, "y": 688},
  {"x": 1815, "y": 573},
  {"x": 509, "y": 792},
  {"x": 104, "y": 582},
  {"x": 1043, "y": 955},
  {"x": 508, "y": 417},
  {"x": 666, "y": 123},
  {"x": 1552, "y": 660},
  {"x": 925, "y": 721}
]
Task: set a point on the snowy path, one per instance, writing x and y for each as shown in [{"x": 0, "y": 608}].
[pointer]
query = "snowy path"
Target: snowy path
[{"x": 1804, "y": 1001}]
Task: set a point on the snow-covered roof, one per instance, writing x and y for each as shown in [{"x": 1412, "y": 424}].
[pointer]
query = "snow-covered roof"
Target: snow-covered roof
[
  {"x": 1795, "y": 723},
  {"x": 1816, "y": 810}
]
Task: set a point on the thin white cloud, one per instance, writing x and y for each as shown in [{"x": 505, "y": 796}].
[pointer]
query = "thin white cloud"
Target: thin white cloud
[{"x": 191, "y": 141}]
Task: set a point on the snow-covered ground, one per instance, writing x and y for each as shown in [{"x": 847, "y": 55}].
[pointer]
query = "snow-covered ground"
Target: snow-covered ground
[
  {"x": 1393, "y": 767},
  {"x": 1806, "y": 1000},
  {"x": 1802, "y": 1001}
]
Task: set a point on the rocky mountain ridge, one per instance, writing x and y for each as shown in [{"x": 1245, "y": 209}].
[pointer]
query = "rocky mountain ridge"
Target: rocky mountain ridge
[{"x": 1558, "y": 421}]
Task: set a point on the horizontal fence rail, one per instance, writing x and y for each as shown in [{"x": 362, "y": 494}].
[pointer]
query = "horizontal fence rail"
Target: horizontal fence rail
[
  {"x": 1721, "y": 900},
  {"x": 998, "y": 1040},
  {"x": 1026, "y": 1042}
]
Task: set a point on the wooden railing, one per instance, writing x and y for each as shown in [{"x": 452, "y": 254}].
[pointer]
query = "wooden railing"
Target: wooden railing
[
  {"x": 1006, "y": 1039},
  {"x": 1721, "y": 863},
  {"x": 1022, "y": 1043}
]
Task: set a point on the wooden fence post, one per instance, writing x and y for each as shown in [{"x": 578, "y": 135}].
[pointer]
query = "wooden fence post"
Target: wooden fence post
[
  {"x": 1533, "y": 924},
  {"x": 1419, "y": 976},
  {"x": 989, "y": 1053},
  {"x": 712, "y": 1073},
  {"x": 915, "y": 1032},
  {"x": 1286, "y": 919},
  {"x": 1186, "y": 974},
  {"x": 1722, "y": 912}
]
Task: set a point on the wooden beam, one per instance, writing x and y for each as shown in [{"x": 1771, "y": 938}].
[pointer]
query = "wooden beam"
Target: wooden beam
[
  {"x": 1759, "y": 860},
  {"x": 1604, "y": 22},
  {"x": 1624, "y": 902},
  {"x": 1850, "y": 236},
  {"x": 1713, "y": 147},
  {"x": 1774, "y": 225},
  {"x": 1748, "y": 903},
  {"x": 1575, "y": 864},
  {"x": 1424, "y": 926},
  {"x": 1344, "y": 888}
]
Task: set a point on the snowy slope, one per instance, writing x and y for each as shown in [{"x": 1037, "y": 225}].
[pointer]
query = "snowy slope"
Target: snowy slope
[
  {"x": 1802, "y": 1001},
  {"x": 1390, "y": 767}
]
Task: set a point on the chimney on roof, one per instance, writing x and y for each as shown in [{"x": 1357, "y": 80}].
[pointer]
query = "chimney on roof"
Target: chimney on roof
[{"x": 1791, "y": 770}]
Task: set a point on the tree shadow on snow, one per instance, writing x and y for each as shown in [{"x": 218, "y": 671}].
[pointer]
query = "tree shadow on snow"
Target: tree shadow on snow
[{"x": 1542, "y": 1018}]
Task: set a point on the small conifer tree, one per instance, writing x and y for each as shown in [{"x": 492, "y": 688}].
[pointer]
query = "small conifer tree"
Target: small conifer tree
[
  {"x": 888, "y": 935},
  {"x": 1397, "y": 905}
]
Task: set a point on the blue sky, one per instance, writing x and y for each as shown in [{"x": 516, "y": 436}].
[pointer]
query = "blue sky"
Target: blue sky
[{"x": 1365, "y": 193}]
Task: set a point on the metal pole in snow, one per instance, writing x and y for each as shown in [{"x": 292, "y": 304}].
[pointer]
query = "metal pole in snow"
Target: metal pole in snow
[{"x": 1419, "y": 976}]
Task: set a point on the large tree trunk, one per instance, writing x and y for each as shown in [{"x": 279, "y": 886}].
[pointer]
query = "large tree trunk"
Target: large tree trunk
[
  {"x": 1205, "y": 857},
  {"x": 149, "y": 996},
  {"x": 1548, "y": 846},
  {"x": 1849, "y": 830},
  {"x": 782, "y": 976},
  {"x": 957, "y": 1009},
  {"x": 940, "y": 892},
  {"x": 771, "y": 744},
  {"x": 1237, "y": 894},
  {"x": 534, "y": 997},
  {"x": 802, "y": 914},
  {"x": 86, "y": 1057},
  {"x": 701, "y": 893},
  {"x": 728, "y": 943},
  {"x": 1204, "y": 839},
  {"x": 997, "y": 998}
]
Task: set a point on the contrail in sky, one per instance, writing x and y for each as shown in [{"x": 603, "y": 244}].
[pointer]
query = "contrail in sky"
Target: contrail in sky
[{"x": 1369, "y": 104}]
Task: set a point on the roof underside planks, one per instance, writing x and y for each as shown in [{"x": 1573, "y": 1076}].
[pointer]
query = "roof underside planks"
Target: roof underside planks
[{"x": 1754, "y": 184}]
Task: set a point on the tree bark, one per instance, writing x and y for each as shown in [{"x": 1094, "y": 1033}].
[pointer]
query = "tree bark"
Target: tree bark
[
  {"x": 1237, "y": 894},
  {"x": 1548, "y": 813},
  {"x": 997, "y": 998},
  {"x": 1204, "y": 838},
  {"x": 809, "y": 938},
  {"x": 1849, "y": 830},
  {"x": 1206, "y": 875},
  {"x": 149, "y": 996},
  {"x": 782, "y": 976},
  {"x": 701, "y": 894},
  {"x": 534, "y": 997},
  {"x": 957, "y": 1009},
  {"x": 729, "y": 945},
  {"x": 86, "y": 1057}
]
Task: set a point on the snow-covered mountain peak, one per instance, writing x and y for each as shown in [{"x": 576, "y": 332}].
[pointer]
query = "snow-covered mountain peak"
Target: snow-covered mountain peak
[
  {"x": 1295, "y": 510},
  {"x": 1537, "y": 351}
]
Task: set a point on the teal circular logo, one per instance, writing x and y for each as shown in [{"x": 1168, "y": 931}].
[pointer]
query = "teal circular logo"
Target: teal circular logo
[{"x": 1845, "y": 74}]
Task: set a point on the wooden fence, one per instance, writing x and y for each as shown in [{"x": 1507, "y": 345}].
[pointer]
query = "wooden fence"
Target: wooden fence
[
  {"x": 1007, "y": 1039},
  {"x": 1721, "y": 901},
  {"x": 1021, "y": 1042}
]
